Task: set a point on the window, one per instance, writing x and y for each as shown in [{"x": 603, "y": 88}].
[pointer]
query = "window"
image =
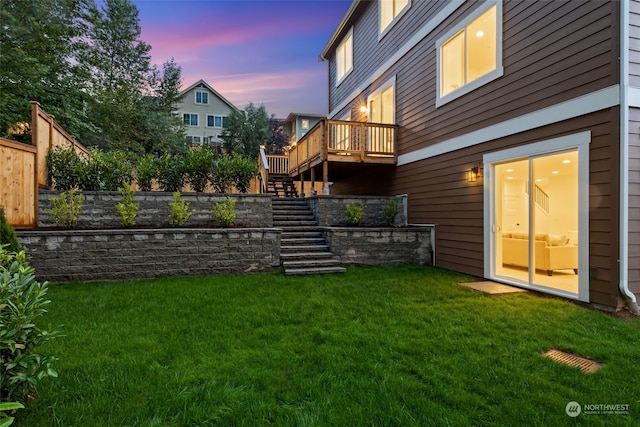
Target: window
[
  {"x": 202, "y": 97},
  {"x": 344, "y": 57},
  {"x": 216, "y": 121},
  {"x": 190, "y": 119},
  {"x": 390, "y": 12},
  {"x": 382, "y": 109},
  {"x": 471, "y": 54},
  {"x": 305, "y": 124}
]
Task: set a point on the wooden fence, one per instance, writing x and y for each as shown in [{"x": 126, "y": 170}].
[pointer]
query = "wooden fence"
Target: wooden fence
[{"x": 23, "y": 167}]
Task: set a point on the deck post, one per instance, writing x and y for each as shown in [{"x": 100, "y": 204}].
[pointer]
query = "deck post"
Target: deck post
[
  {"x": 302, "y": 184},
  {"x": 313, "y": 181},
  {"x": 325, "y": 172}
]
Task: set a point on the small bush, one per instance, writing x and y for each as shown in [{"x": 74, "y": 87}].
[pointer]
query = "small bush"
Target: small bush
[
  {"x": 225, "y": 212},
  {"x": 180, "y": 212},
  {"x": 63, "y": 165},
  {"x": 116, "y": 169},
  {"x": 7, "y": 234},
  {"x": 22, "y": 302},
  {"x": 354, "y": 213},
  {"x": 126, "y": 207},
  {"x": 222, "y": 175},
  {"x": 146, "y": 171},
  {"x": 389, "y": 211},
  {"x": 199, "y": 163},
  {"x": 66, "y": 209},
  {"x": 170, "y": 172},
  {"x": 244, "y": 169},
  {"x": 89, "y": 172}
]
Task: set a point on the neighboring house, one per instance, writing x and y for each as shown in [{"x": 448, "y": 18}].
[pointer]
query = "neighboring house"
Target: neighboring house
[
  {"x": 297, "y": 125},
  {"x": 204, "y": 112},
  {"x": 517, "y": 134}
]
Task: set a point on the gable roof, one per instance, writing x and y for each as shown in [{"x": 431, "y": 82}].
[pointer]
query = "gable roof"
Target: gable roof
[
  {"x": 202, "y": 83},
  {"x": 342, "y": 27}
]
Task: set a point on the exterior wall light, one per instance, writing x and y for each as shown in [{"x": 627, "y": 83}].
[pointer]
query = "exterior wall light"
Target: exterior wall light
[
  {"x": 364, "y": 109},
  {"x": 472, "y": 174}
]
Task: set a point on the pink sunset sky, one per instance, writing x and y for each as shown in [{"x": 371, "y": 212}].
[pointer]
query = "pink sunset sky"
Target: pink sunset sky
[{"x": 260, "y": 51}]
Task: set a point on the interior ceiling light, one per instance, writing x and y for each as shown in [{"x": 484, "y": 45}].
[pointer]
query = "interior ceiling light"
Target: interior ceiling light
[
  {"x": 509, "y": 170},
  {"x": 555, "y": 172},
  {"x": 480, "y": 34},
  {"x": 566, "y": 161}
]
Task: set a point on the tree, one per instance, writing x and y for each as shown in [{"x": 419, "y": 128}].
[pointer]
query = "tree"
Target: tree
[
  {"x": 278, "y": 140},
  {"x": 246, "y": 130}
]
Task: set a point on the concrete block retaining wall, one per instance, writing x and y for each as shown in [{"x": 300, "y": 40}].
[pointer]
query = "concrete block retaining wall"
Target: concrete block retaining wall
[
  {"x": 99, "y": 209},
  {"x": 329, "y": 211},
  {"x": 90, "y": 255},
  {"x": 381, "y": 246}
]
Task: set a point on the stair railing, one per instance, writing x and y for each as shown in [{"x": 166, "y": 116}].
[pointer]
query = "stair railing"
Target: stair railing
[{"x": 263, "y": 171}]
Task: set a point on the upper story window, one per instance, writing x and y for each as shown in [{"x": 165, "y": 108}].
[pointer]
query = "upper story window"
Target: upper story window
[
  {"x": 202, "y": 97},
  {"x": 305, "y": 124},
  {"x": 190, "y": 119},
  {"x": 382, "y": 105},
  {"x": 344, "y": 57},
  {"x": 216, "y": 121},
  {"x": 470, "y": 55},
  {"x": 390, "y": 12}
]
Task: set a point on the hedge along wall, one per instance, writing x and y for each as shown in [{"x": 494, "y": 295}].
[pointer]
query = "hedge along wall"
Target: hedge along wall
[
  {"x": 330, "y": 210},
  {"x": 88, "y": 255},
  {"x": 99, "y": 209}
]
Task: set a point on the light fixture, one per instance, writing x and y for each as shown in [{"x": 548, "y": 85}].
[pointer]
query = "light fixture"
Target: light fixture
[
  {"x": 566, "y": 161},
  {"x": 555, "y": 172},
  {"x": 480, "y": 34},
  {"x": 472, "y": 174},
  {"x": 364, "y": 109}
]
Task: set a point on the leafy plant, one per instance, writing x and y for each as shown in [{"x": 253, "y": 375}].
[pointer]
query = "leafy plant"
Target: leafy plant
[
  {"x": 5, "y": 419},
  {"x": 199, "y": 162},
  {"x": 89, "y": 172},
  {"x": 66, "y": 208},
  {"x": 354, "y": 213},
  {"x": 146, "y": 171},
  {"x": 222, "y": 176},
  {"x": 22, "y": 302},
  {"x": 170, "y": 172},
  {"x": 244, "y": 169},
  {"x": 389, "y": 211},
  {"x": 7, "y": 234},
  {"x": 63, "y": 165},
  {"x": 116, "y": 169},
  {"x": 126, "y": 207},
  {"x": 180, "y": 212},
  {"x": 225, "y": 212}
]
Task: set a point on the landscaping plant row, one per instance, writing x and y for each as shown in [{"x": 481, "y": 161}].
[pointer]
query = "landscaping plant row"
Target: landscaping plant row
[{"x": 110, "y": 170}]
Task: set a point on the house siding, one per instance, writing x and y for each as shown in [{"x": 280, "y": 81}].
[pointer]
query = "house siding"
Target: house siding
[
  {"x": 634, "y": 201},
  {"x": 634, "y": 43}
]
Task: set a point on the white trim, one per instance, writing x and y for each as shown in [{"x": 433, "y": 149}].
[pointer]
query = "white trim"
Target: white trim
[
  {"x": 191, "y": 114},
  {"x": 195, "y": 96},
  {"x": 391, "y": 82},
  {"x": 350, "y": 69},
  {"x": 586, "y": 104},
  {"x": 483, "y": 80},
  {"x": 423, "y": 32},
  {"x": 633, "y": 97},
  {"x": 579, "y": 141},
  {"x": 394, "y": 21}
]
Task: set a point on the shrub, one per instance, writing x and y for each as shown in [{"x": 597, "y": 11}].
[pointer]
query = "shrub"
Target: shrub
[
  {"x": 146, "y": 171},
  {"x": 66, "y": 208},
  {"x": 5, "y": 419},
  {"x": 199, "y": 162},
  {"x": 222, "y": 173},
  {"x": 225, "y": 212},
  {"x": 170, "y": 172},
  {"x": 126, "y": 207},
  {"x": 180, "y": 213},
  {"x": 389, "y": 211},
  {"x": 354, "y": 213},
  {"x": 115, "y": 169},
  {"x": 63, "y": 166},
  {"x": 89, "y": 172},
  {"x": 244, "y": 169},
  {"x": 7, "y": 234},
  {"x": 22, "y": 302}
]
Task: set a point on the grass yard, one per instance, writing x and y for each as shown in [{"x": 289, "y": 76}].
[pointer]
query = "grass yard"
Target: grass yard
[{"x": 397, "y": 346}]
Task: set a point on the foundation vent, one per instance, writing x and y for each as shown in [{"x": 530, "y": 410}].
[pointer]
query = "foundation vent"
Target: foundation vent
[{"x": 584, "y": 364}]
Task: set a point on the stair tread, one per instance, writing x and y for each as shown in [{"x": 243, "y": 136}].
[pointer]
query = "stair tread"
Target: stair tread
[{"x": 317, "y": 270}]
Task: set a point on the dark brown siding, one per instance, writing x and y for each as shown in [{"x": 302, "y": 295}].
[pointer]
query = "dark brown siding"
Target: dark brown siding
[
  {"x": 634, "y": 43},
  {"x": 634, "y": 201}
]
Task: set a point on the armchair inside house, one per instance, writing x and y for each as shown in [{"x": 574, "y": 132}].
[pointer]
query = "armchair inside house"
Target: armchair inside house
[{"x": 552, "y": 252}]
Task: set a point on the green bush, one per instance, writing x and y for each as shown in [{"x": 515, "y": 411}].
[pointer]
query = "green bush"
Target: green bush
[
  {"x": 22, "y": 302},
  {"x": 7, "y": 234},
  {"x": 89, "y": 172},
  {"x": 115, "y": 169},
  {"x": 180, "y": 212},
  {"x": 244, "y": 169},
  {"x": 389, "y": 211},
  {"x": 222, "y": 174},
  {"x": 146, "y": 171},
  {"x": 63, "y": 165},
  {"x": 170, "y": 172},
  {"x": 126, "y": 207},
  {"x": 354, "y": 213},
  {"x": 198, "y": 165},
  {"x": 225, "y": 212},
  {"x": 66, "y": 208}
]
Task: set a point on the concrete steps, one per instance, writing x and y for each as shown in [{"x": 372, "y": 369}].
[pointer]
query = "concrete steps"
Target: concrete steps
[{"x": 303, "y": 250}]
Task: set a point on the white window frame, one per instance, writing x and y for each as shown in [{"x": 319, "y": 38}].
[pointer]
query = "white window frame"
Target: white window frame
[
  {"x": 305, "y": 124},
  {"x": 195, "y": 97},
  {"x": 483, "y": 80},
  {"x": 190, "y": 117},
  {"x": 386, "y": 85},
  {"x": 216, "y": 116},
  {"x": 340, "y": 77},
  {"x": 399, "y": 14}
]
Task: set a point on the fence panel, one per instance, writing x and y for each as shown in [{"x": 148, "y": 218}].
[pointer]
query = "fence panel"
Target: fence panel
[{"x": 18, "y": 186}]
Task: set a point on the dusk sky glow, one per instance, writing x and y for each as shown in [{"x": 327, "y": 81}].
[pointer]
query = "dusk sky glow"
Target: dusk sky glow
[{"x": 260, "y": 51}]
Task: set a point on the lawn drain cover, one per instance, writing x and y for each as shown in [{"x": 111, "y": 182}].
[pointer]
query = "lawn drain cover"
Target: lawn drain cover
[{"x": 585, "y": 365}]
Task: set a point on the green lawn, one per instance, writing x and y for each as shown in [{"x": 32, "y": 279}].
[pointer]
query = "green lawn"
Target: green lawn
[{"x": 376, "y": 346}]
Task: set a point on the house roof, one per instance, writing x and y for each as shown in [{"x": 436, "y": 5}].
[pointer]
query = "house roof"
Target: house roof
[
  {"x": 209, "y": 88},
  {"x": 292, "y": 116},
  {"x": 337, "y": 35}
]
